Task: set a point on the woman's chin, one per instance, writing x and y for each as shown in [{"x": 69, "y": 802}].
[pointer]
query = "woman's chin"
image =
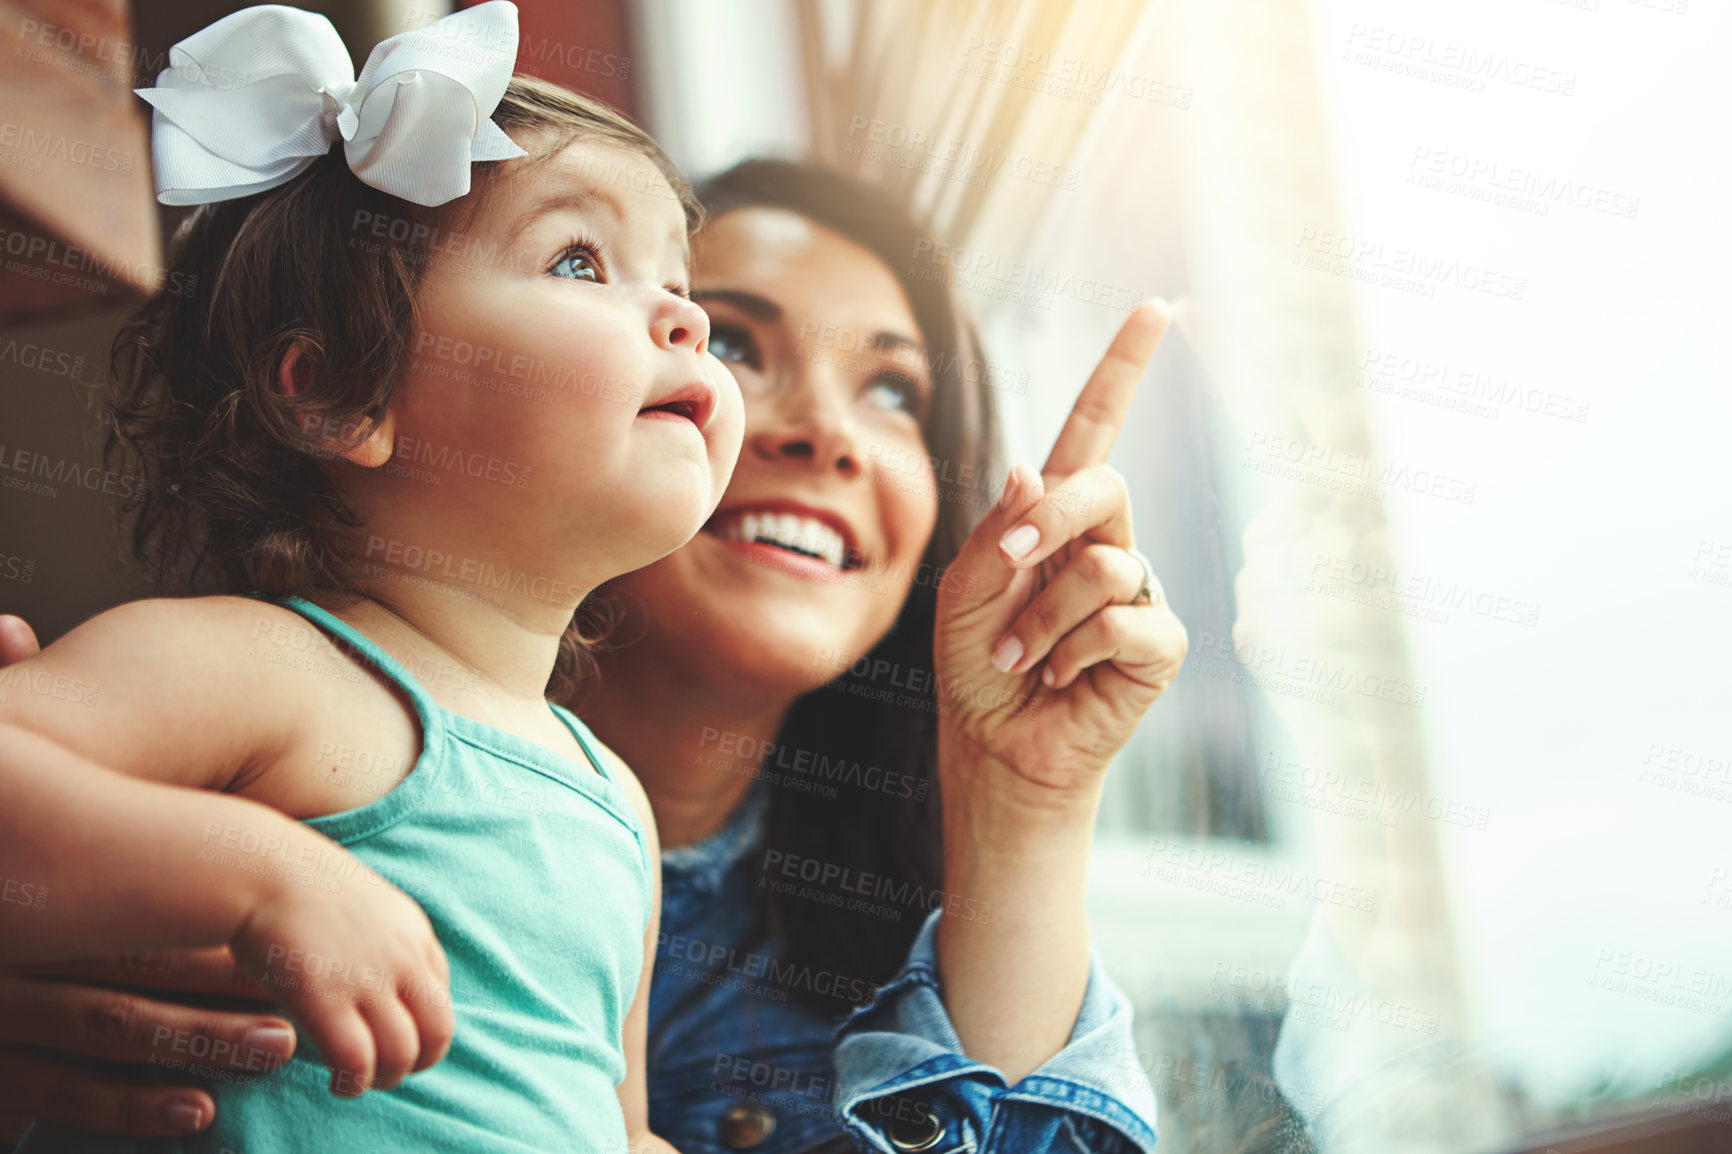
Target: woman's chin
[
  {"x": 772, "y": 644},
  {"x": 775, "y": 624}
]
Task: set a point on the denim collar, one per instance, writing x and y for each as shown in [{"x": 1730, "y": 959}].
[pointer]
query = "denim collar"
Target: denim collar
[{"x": 703, "y": 865}]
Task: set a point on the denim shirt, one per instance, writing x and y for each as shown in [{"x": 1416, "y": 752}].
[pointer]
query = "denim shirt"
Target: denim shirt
[{"x": 738, "y": 1063}]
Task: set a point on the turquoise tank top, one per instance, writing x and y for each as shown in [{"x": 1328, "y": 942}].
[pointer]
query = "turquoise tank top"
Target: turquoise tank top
[{"x": 534, "y": 871}]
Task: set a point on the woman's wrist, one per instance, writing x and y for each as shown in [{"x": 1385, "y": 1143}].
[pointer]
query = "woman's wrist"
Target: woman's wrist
[
  {"x": 1021, "y": 869},
  {"x": 1016, "y": 871},
  {"x": 993, "y": 811}
]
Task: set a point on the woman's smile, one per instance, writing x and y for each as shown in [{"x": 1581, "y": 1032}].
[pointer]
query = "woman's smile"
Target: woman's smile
[{"x": 790, "y": 536}]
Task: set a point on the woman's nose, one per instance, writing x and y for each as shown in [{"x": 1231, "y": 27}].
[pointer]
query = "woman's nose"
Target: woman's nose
[
  {"x": 678, "y": 323},
  {"x": 808, "y": 423}
]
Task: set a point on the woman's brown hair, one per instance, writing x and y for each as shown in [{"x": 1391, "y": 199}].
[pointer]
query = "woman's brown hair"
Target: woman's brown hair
[
  {"x": 892, "y": 834},
  {"x": 234, "y": 498}
]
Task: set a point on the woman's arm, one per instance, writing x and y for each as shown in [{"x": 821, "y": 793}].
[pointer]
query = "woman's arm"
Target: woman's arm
[
  {"x": 902, "y": 1076},
  {"x": 1028, "y": 870},
  {"x": 1001, "y": 1028},
  {"x": 1050, "y": 629}
]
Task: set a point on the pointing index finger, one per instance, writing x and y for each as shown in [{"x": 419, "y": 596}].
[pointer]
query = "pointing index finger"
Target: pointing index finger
[{"x": 1094, "y": 421}]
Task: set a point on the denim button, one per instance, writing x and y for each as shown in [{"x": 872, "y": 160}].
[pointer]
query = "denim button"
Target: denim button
[
  {"x": 921, "y": 1132},
  {"x": 745, "y": 1125}
]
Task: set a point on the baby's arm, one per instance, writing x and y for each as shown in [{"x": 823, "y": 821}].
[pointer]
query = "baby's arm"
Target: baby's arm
[
  {"x": 93, "y": 730},
  {"x": 95, "y": 733},
  {"x": 112, "y": 863},
  {"x": 634, "y": 1090}
]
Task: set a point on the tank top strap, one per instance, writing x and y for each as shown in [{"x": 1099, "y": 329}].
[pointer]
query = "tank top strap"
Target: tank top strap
[
  {"x": 588, "y": 742},
  {"x": 351, "y": 825},
  {"x": 365, "y": 647},
  {"x": 430, "y": 713},
  {"x": 585, "y": 740}
]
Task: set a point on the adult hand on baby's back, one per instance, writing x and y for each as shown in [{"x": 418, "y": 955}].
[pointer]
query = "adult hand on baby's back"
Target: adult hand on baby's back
[{"x": 1046, "y": 662}]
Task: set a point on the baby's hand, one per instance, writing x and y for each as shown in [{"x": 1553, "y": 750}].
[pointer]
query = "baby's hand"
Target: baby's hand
[{"x": 358, "y": 969}]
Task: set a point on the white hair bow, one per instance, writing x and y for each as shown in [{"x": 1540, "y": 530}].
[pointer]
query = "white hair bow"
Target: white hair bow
[{"x": 249, "y": 102}]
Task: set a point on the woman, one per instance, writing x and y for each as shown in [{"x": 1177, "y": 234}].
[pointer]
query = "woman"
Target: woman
[{"x": 796, "y": 688}]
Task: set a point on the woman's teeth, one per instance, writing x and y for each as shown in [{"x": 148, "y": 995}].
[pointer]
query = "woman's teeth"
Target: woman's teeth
[{"x": 787, "y": 530}]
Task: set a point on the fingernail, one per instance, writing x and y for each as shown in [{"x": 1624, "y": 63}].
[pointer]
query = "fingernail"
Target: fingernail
[
  {"x": 1008, "y": 653},
  {"x": 1046, "y": 676},
  {"x": 1009, "y": 488},
  {"x": 273, "y": 1040},
  {"x": 1019, "y": 542},
  {"x": 188, "y": 1116}
]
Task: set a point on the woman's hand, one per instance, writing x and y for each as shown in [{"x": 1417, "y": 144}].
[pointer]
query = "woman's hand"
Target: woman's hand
[
  {"x": 17, "y": 640},
  {"x": 1048, "y": 654},
  {"x": 1046, "y": 663},
  {"x": 50, "y": 1014}
]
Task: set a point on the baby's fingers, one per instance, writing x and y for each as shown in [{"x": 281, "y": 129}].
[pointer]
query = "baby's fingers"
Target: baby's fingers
[
  {"x": 396, "y": 1040},
  {"x": 345, "y": 1040},
  {"x": 428, "y": 1003}
]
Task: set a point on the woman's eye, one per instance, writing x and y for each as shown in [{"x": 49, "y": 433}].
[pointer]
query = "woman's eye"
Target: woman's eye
[
  {"x": 734, "y": 345},
  {"x": 894, "y": 391},
  {"x": 578, "y": 264}
]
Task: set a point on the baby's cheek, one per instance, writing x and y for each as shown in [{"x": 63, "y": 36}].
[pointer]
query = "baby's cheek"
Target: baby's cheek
[
  {"x": 727, "y": 385},
  {"x": 727, "y": 430}
]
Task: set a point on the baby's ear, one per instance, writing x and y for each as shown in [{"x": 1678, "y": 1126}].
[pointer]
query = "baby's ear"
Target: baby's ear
[{"x": 331, "y": 438}]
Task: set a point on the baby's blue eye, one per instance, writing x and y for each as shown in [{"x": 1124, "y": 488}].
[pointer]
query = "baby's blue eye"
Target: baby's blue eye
[{"x": 578, "y": 264}]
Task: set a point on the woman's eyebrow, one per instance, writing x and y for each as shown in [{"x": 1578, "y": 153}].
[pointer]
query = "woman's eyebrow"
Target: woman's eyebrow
[
  {"x": 757, "y": 307},
  {"x": 890, "y": 342}
]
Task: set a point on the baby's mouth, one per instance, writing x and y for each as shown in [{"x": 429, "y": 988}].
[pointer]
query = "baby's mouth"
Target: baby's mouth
[
  {"x": 694, "y": 401},
  {"x": 686, "y": 409}
]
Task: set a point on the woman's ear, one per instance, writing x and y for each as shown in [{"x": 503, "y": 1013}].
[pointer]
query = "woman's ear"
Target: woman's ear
[{"x": 332, "y": 438}]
